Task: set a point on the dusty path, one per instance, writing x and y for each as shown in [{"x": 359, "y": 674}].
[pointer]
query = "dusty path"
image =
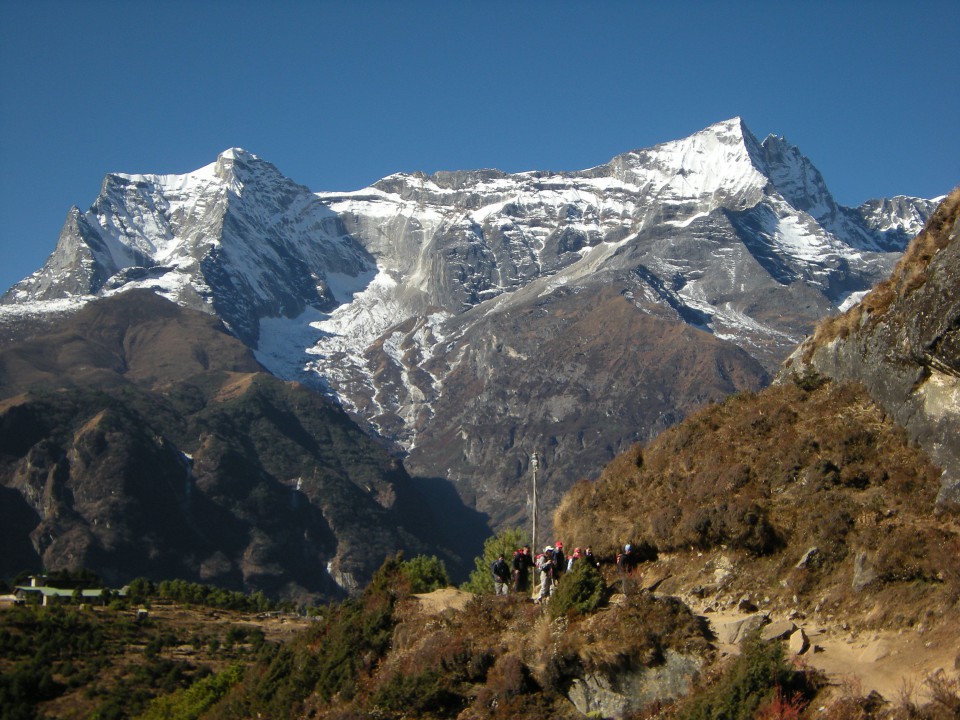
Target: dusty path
[
  {"x": 895, "y": 664},
  {"x": 440, "y": 600}
]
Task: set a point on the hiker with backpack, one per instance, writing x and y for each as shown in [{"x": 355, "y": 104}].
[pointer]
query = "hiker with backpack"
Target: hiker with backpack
[{"x": 547, "y": 569}]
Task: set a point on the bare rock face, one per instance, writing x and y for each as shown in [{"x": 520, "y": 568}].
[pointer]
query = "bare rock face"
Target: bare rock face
[
  {"x": 902, "y": 341},
  {"x": 575, "y": 377},
  {"x": 616, "y": 694}
]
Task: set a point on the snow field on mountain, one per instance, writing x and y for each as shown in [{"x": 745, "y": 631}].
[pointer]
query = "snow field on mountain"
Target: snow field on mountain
[
  {"x": 382, "y": 283},
  {"x": 280, "y": 338}
]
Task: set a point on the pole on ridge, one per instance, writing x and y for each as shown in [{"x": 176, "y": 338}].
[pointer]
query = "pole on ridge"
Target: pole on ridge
[{"x": 534, "y": 465}]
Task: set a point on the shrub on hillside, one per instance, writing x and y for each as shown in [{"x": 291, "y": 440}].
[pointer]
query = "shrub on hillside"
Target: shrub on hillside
[
  {"x": 193, "y": 593},
  {"x": 191, "y": 702},
  {"x": 810, "y": 380},
  {"x": 579, "y": 592},
  {"x": 346, "y": 643},
  {"x": 907, "y": 553},
  {"x": 425, "y": 574},
  {"x": 760, "y": 678},
  {"x": 739, "y": 523},
  {"x": 424, "y": 694}
]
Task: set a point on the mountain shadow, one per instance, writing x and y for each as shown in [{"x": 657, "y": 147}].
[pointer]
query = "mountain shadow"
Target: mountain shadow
[{"x": 141, "y": 439}]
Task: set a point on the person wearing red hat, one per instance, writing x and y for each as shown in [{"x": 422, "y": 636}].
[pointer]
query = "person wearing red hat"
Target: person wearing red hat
[{"x": 560, "y": 561}]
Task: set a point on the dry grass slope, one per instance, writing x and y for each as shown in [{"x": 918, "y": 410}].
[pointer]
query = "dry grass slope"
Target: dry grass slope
[{"x": 766, "y": 478}]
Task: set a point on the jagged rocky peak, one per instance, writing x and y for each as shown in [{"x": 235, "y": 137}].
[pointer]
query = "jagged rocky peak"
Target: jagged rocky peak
[
  {"x": 718, "y": 159},
  {"x": 238, "y": 166},
  {"x": 235, "y": 237},
  {"x": 72, "y": 268},
  {"x": 795, "y": 177}
]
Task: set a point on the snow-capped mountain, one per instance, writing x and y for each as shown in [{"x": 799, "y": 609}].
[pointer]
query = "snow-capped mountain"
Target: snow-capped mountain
[
  {"x": 236, "y": 238},
  {"x": 474, "y": 317}
]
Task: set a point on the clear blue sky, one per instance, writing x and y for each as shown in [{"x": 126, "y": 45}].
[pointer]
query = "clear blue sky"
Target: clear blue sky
[{"x": 340, "y": 94}]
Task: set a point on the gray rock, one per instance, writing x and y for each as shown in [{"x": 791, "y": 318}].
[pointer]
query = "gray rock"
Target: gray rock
[
  {"x": 798, "y": 643},
  {"x": 777, "y": 630},
  {"x": 735, "y": 631},
  {"x": 746, "y": 605},
  {"x": 617, "y": 693},
  {"x": 863, "y": 572},
  {"x": 810, "y": 558}
]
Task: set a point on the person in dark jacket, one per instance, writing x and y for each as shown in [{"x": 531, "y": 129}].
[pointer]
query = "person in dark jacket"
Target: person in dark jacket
[
  {"x": 589, "y": 558},
  {"x": 627, "y": 560},
  {"x": 559, "y": 560},
  {"x": 501, "y": 575},
  {"x": 626, "y": 563},
  {"x": 522, "y": 562}
]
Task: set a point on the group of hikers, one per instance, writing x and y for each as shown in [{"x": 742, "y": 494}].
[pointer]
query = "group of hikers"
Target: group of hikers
[{"x": 550, "y": 565}]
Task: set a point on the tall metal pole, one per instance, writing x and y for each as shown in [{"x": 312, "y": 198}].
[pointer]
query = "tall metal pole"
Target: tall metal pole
[{"x": 535, "y": 465}]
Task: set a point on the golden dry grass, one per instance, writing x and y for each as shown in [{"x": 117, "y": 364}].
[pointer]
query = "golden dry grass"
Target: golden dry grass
[{"x": 764, "y": 478}]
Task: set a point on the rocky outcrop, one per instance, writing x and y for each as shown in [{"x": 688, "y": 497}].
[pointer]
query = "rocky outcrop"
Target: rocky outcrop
[
  {"x": 616, "y": 693},
  {"x": 902, "y": 341}
]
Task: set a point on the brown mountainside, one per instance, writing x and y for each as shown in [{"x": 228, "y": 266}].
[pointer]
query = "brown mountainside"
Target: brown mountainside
[
  {"x": 806, "y": 494},
  {"x": 577, "y": 377},
  {"x": 140, "y": 439},
  {"x": 143, "y": 338}
]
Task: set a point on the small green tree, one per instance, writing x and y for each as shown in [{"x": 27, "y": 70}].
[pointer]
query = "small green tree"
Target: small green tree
[
  {"x": 504, "y": 542},
  {"x": 191, "y": 702},
  {"x": 757, "y": 676},
  {"x": 580, "y": 591},
  {"x": 140, "y": 590},
  {"x": 425, "y": 574}
]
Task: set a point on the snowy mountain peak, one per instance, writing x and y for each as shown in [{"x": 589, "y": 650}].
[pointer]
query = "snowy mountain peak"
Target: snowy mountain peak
[
  {"x": 795, "y": 177},
  {"x": 239, "y": 161},
  {"x": 234, "y": 153},
  {"x": 399, "y": 298},
  {"x": 237, "y": 168},
  {"x": 717, "y": 162}
]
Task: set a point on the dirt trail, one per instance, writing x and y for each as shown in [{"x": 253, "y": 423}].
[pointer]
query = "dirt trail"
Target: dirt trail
[
  {"x": 895, "y": 664},
  {"x": 437, "y": 601}
]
